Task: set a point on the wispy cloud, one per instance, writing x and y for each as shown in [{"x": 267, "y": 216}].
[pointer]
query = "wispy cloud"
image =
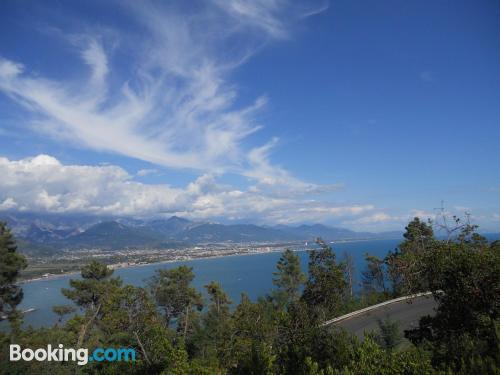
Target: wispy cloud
[
  {"x": 264, "y": 15},
  {"x": 174, "y": 107},
  {"x": 274, "y": 179},
  {"x": 146, "y": 172},
  {"x": 177, "y": 108}
]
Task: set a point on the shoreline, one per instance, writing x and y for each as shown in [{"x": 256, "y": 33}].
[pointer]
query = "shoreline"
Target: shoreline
[
  {"x": 123, "y": 265},
  {"x": 117, "y": 266}
]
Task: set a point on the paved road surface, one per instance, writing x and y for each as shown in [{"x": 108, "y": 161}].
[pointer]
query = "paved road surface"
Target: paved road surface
[{"x": 406, "y": 313}]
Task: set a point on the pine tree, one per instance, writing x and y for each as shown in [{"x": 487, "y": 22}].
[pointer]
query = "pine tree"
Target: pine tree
[
  {"x": 325, "y": 287},
  {"x": 90, "y": 292},
  {"x": 11, "y": 263},
  {"x": 176, "y": 297},
  {"x": 217, "y": 323},
  {"x": 288, "y": 278}
]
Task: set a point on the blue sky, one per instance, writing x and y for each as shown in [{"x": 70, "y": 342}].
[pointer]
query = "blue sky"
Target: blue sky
[{"x": 350, "y": 113}]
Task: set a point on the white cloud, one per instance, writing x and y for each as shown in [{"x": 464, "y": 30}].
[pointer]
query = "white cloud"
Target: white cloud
[
  {"x": 146, "y": 172},
  {"x": 271, "y": 17},
  {"x": 376, "y": 218},
  {"x": 263, "y": 15},
  {"x": 44, "y": 184},
  {"x": 8, "y": 204},
  {"x": 176, "y": 108},
  {"x": 274, "y": 179},
  {"x": 9, "y": 69}
]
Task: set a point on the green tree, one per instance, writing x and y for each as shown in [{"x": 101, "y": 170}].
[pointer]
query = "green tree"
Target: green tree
[
  {"x": 90, "y": 292},
  {"x": 370, "y": 359},
  {"x": 349, "y": 271},
  {"x": 11, "y": 263},
  {"x": 176, "y": 297},
  {"x": 464, "y": 276},
  {"x": 326, "y": 284},
  {"x": 418, "y": 236},
  {"x": 403, "y": 264},
  {"x": 389, "y": 335},
  {"x": 62, "y": 310},
  {"x": 301, "y": 336},
  {"x": 130, "y": 318},
  {"x": 217, "y": 336},
  {"x": 288, "y": 278},
  {"x": 258, "y": 361},
  {"x": 374, "y": 280},
  {"x": 254, "y": 332}
]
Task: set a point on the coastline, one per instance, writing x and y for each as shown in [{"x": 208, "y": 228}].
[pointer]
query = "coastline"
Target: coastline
[{"x": 123, "y": 265}]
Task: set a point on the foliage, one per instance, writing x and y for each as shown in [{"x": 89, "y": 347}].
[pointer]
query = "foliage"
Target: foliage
[
  {"x": 326, "y": 284},
  {"x": 464, "y": 277},
  {"x": 174, "y": 331},
  {"x": 11, "y": 263},
  {"x": 374, "y": 276},
  {"x": 370, "y": 359},
  {"x": 389, "y": 335},
  {"x": 176, "y": 297},
  {"x": 403, "y": 264},
  {"x": 288, "y": 278},
  {"x": 62, "y": 310}
]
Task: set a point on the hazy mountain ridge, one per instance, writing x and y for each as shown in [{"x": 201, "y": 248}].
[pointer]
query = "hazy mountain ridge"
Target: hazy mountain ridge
[{"x": 114, "y": 233}]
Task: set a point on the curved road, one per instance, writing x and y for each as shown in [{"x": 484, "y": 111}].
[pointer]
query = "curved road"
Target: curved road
[{"x": 407, "y": 311}]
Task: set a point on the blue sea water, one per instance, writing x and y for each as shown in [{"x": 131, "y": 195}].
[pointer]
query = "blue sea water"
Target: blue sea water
[{"x": 251, "y": 274}]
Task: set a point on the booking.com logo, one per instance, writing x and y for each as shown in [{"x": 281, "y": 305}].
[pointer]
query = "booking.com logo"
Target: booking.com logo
[{"x": 62, "y": 354}]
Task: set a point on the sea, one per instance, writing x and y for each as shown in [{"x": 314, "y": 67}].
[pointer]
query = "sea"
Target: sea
[{"x": 250, "y": 274}]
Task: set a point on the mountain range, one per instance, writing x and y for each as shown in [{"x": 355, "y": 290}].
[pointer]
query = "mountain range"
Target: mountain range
[{"x": 74, "y": 232}]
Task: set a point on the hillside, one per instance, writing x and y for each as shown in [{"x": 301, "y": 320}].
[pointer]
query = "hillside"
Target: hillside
[{"x": 60, "y": 232}]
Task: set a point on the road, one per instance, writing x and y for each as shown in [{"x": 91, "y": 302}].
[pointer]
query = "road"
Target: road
[{"x": 406, "y": 312}]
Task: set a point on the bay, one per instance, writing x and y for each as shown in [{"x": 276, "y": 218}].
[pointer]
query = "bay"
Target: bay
[{"x": 250, "y": 274}]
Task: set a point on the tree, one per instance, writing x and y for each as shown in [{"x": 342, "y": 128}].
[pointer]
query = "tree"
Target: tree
[
  {"x": 174, "y": 294},
  {"x": 464, "y": 277},
  {"x": 259, "y": 361},
  {"x": 374, "y": 275},
  {"x": 87, "y": 293},
  {"x": 62, "y": 310},
  {"x": 403, "y": 264},
  {"x": 301, "y": 336},
  {"x": 217, "y": 326},
  {"x": 254, "y": 330},
  {"x": 349, "y": 271},
  {"x": 288, "y": 278},
  {"x": 389, "y": 335},
  {"x": 90, "y": 292},
  {"x": 11, "y": 263},
  {"x": 130, "y": 318},
  {"x": 370, "y": 358},
  {"x": 325, "y": 286}
]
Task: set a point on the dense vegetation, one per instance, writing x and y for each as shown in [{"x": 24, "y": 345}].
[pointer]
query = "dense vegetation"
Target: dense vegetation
[{"x": 174, "y": 331}]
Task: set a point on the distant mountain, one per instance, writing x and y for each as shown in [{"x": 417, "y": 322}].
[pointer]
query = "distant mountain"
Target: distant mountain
[
  {"x": 235, "y": 233},
  {"x": 66, "y": 232},
  {"x": 113, "y": 235},
  {"x": 171, "y": 227},
  {"x": 47, "y": 227}
]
